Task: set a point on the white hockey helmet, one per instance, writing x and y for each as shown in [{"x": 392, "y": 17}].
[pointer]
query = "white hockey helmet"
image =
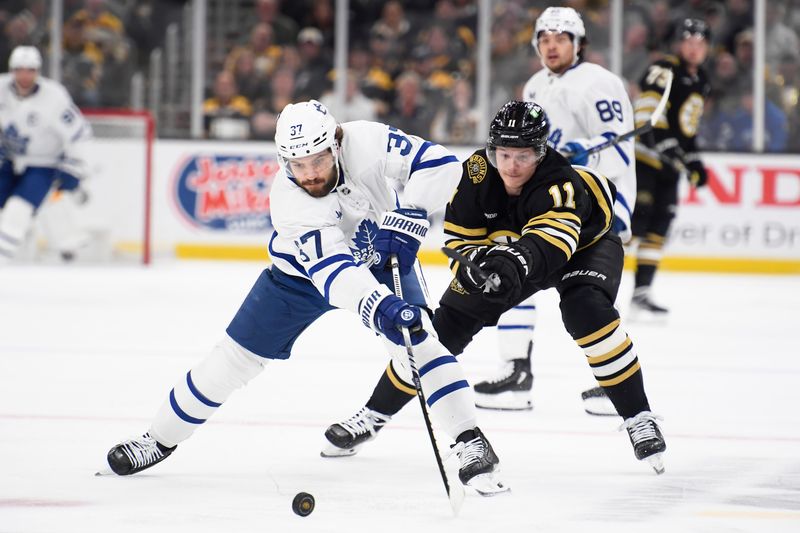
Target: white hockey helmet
[
  {"x": 304, "y": 129},
  {"x": 25, "y": 57},
  {"x": 560, "y": 20}
]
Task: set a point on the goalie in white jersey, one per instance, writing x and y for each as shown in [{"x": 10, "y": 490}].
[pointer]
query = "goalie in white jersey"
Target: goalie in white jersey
[
  {"x": 44, "y": 145},
  {"x": 587, "y": 105},
  {"x": 334, "y": 209}
]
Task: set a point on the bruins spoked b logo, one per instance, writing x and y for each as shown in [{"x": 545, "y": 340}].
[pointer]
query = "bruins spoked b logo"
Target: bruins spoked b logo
[{"x": 476, "y": 168}]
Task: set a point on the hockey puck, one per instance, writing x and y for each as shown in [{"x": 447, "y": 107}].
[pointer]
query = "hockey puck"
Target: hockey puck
[{"x": 303, "y": 504}]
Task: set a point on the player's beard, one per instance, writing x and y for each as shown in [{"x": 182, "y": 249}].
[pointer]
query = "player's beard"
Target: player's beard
[{"x": 321, "y": 186}]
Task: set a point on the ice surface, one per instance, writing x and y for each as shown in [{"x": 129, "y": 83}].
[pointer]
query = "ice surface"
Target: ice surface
[{"x": 87, "y": 355}]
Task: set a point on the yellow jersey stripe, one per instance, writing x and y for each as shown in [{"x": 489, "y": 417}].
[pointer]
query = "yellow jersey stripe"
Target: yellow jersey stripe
[
  {"x": 552, "y": 240},
  {"x": 466, "y": 232}
]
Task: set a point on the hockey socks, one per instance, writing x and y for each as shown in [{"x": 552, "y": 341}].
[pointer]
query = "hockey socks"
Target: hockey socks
[{"x": 198, "y": 395}]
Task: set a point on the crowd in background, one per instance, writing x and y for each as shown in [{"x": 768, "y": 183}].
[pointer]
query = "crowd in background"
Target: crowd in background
[{"x": 412, "y": 63}]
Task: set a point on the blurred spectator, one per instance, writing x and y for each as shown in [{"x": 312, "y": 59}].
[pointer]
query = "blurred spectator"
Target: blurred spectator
[
  {"x": 321, "y": 16},
  {"x": 252, "y": 83},
  {"x": 738, "y": 17},
  {"x": 457, "y": 122},
  {"x": 510, "y": 66},
  {"x": 410, "y": 111},
  {"x": 394, "y": 29},
  {"x": 374, "y": 82},
  {"x": 283, "y": 27},
  {"x": 312, "y": 77},
  {"x": 266, "y": 54},
  {"x": 115, "y": 75},
  {"x": 226, "y": 114},
  {"x": 635, "y": 52},
  {"x": 282, "y": 92},
  {"x": 743, "y": 50},
  {"x": 732, "y": 130},
  {"x": 17, "y": 32},
  {"x": 779, "y": 37},
  {"x": 356, "y": 105},
  {"x": 81, "y": 64},
  {"x": 100, "y": 24},
  {"x": 787, "y": 94},
  {"x": 146, "y": 25}
]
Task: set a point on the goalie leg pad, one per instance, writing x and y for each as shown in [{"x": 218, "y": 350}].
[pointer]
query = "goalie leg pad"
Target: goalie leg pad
[{"x": 203, "y": 390}]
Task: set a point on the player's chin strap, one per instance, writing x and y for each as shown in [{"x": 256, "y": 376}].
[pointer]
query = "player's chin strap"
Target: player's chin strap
[
  {"x": 455, "y": 492},
  {"x": 641, "y": 130}
]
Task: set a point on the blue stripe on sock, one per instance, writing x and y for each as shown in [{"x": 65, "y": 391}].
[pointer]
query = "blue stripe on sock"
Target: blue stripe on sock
[
  {"x": 524, "y": 307},
  {"x": 180, "y": 412},
  {"x": 197, "y": 394},
  {"x": 514, "y": 327},
  {"x": 433, "y": 398},
  {"x": 439, "y": 361}
]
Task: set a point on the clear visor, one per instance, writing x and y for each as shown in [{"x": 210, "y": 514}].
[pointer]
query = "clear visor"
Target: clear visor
[
  {"x": 520, "y": 156},
  {"x": 310, "y": 164}
]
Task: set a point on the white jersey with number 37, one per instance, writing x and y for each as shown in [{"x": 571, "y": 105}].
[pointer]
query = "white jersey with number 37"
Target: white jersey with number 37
[
  {"x": 325, "y": 239},
  {"x": 589, "y": 102}
]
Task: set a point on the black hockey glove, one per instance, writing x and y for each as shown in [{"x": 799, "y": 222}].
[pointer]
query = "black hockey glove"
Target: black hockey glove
[
  {"x": 469, "y": 280},
  {"x": 697, "y": 172},
  {"x": 512, "y": 264}
]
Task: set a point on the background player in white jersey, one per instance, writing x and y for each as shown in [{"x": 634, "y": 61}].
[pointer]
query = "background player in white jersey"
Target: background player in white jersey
[
  {"x": 586, "y": 105},
  {"x": 44, "y": 145},
  {"x": 333, "y": 209}
]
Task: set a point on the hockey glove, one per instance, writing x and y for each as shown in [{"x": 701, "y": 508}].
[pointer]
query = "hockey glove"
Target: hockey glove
[
  {"x": 385, "y": 313},
  {"x": 469, "y": 280},
  {"x": 697, "y": 172},
  {"x": 401, "y": 232},
  {"x": 575, "y": 153},
  {"x": 512, "y": 264}
]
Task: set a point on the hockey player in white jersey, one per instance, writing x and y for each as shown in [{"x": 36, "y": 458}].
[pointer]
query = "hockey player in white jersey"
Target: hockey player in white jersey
[
  {"x": 334, "y": 209},
  {"x": 586, "y": 105},
  {"x": 44, "y": 145}
]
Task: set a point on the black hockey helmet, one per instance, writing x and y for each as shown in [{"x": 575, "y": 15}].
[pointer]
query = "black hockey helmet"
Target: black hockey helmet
[
  {"x": 693, "y": 27},
  {"x": 518, "y": 125}
]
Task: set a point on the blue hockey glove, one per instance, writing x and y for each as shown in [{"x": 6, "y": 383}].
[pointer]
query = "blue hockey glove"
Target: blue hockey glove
[
  {"x": 385, "y": 313},
  {"x": 401, "y": 232},
  {"x": 575, "y": 152}
]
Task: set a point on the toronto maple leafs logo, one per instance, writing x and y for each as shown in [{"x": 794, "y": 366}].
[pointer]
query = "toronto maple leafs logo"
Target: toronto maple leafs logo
[
  {"x": 364, "y": 239},
  {"x": 14, "y": 142}
]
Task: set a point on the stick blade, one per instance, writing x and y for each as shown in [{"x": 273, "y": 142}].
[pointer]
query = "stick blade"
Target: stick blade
[{"x": 456, "y": 496}]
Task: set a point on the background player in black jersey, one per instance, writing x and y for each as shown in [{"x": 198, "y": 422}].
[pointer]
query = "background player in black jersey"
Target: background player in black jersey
[
  {"x": 667, "y": 153},
  {"x": 523, "y": 213}
]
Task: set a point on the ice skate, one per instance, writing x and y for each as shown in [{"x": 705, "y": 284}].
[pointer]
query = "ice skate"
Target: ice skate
[
  {"x": 479, "y": 464},
  {"x": 136, "y": 455},
  {"x": 511, "y": 391},
  {"x": 644, "y": 310},
  {"x": 646, "y": 438},
  {"x": 596, "y": 402},
  {"x": 346, "y": 438}
]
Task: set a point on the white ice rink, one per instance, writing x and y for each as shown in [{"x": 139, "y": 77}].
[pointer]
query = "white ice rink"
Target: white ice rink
[{"x": 87, "y": 354}]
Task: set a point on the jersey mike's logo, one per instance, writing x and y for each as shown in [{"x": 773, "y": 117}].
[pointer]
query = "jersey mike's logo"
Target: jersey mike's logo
[{"x": 226, "y": 192}]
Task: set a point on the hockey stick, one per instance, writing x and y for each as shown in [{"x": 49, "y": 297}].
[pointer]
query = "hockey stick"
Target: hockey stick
[
  {"x": 455, "y": 492},
  {"x": 644, "y": 128},
  {"x": 492, "y": 280}
]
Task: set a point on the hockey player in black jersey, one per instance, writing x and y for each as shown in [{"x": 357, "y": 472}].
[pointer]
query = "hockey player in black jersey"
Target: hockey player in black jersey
[
  {"x": 528, "y": 218},
  {"x": 667, "y": 153}
]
